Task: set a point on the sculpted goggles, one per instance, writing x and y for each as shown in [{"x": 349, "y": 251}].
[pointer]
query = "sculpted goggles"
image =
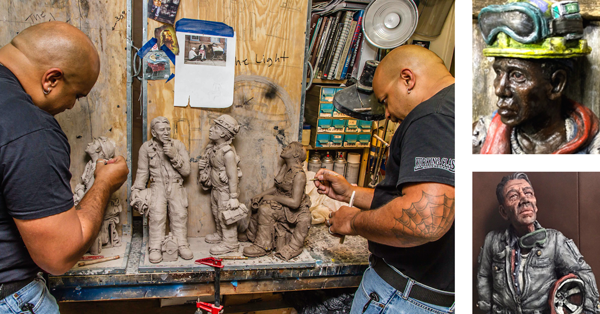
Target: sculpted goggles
[
  {"x": 529, "y": 240},
  {"x": 527, "y": 23}
]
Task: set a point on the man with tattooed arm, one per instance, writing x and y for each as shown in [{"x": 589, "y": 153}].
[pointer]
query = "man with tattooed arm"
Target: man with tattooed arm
[{"x": 408, "y": 218}]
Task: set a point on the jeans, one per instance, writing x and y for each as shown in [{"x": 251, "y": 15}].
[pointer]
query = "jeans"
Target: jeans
[
  {"x": 391, "y": 301},
  {"x": 35, "y": 294}
]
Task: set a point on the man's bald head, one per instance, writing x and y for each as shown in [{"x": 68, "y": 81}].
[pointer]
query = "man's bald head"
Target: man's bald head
[
  {"x": 60, "y": 45},
  {"x": 416, "y": 58},
  {"x": 407, "y": 76},
  {"x": 55, "y": 62}
]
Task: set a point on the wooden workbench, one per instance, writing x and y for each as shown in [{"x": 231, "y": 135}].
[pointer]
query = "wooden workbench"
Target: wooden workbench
[{"x": 336, "y": 266}]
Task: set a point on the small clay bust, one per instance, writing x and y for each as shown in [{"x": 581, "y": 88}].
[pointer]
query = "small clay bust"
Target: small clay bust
[
  {"x": 100, "y": 148},
  {"x": 534, "y": 55},
  {"x": 163, "y": 164},
  {"x": 219, "y": 172},
  {"x": 281, "y": 216}
]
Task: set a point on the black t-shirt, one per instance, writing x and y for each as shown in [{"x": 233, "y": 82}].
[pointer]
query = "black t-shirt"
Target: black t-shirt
[
  {"x": 422, "y": 150},
  {"x": 34, "y": 173}
]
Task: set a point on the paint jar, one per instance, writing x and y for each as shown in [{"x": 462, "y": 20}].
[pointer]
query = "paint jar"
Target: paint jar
[
  {"x": 306, "y": 134},
  {"x": 353, "y": 168},
  {"x": 339, "y": 165},
  {"x": 314, "y": 164},
  {"x": 327, "y": 162}
]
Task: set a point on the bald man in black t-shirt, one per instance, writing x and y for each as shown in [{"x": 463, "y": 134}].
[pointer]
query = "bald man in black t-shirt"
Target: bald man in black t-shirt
[
  {"x": 40, "y": 228},
  {"x": 409, "y": 217}
]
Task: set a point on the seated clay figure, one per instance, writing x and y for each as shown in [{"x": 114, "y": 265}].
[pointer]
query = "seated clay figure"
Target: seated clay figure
[
  {"x": 281, "y": 217},
  {"x": 100, "y": 148}
]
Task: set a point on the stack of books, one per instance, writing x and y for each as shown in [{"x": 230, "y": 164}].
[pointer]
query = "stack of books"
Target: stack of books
[{"x": 335, "y": 40}]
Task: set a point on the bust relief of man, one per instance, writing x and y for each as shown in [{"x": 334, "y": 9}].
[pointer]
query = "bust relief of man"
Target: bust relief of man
[{"x": 534, "y": 46}]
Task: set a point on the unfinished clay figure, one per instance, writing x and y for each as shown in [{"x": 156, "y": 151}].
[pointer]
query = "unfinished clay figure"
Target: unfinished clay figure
[
  {"x": 163, "y": 163},
  {"x": 281, "y": 217},
  {"x": 100, "y": 148},
  {"x": 219, "y": 172}
]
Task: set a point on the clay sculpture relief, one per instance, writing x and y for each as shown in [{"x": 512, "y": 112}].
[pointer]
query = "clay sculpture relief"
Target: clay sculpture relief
[
  {"x": 219, "y": 172},
  {"x": 100, "y": 148},
  {"x": 163, "y": 164},
  {"x": 535, "y": 45},
  {"x": 281, "y": 216}
]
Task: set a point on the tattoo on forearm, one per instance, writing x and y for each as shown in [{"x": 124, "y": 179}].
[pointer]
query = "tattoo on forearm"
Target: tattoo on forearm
[
  {"x": 77, "y": 207},
  {"x": 427, "y": 218}
]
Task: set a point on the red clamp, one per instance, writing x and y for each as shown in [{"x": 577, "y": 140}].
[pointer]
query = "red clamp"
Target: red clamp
[
  {"x": 211, "y": 308},
  {"x": 210, "y": 261}
]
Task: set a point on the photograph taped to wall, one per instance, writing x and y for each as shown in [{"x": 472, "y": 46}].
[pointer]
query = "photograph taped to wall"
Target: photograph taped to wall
[
  {"x": 205, "y": 50},
  {"x": 158, "y": 66},
  {"x": 163, "y": 10}
]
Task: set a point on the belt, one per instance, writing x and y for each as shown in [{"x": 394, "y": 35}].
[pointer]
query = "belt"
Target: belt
[
  {"x": 7, "y": 289},
  {"x": 399, "y": 282}
]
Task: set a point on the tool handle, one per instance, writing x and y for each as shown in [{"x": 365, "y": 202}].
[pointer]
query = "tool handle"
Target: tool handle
[{"x": 100, "y": 260}]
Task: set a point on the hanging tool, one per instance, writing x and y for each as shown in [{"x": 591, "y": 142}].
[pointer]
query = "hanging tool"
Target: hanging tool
[
  {"x": 380, "y": 152},
  {"x": 212, "y": 308}
]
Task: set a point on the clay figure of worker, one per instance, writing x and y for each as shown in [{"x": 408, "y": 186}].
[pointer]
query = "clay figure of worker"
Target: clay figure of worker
[
  {"x": 533, "y": 114},
  {"x": 163, "y": 163},
  {"x": 282, "y": 217},
  {"x": 530, "y": 269},
  {"x": 219, "y": 172},
  {"x": 40, "y": 227},
  {"x": 100, "y": 148},
  {"x": 408, "y": 219}
]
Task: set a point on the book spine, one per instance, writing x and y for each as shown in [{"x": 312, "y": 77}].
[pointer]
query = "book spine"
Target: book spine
[
  {"x": 318, "y": 62},
  {"x": 313, "y": 37},
  {"x": 340, "y": 45},
  {"x": 345, "y": 51},
  {"x": 333, "y": 30},
  {"x": 357, "y": 34},
  {"x": 332, "y": 50},
  {"x": 355, "y": 55},
  {"x": 318, "y": 42}
]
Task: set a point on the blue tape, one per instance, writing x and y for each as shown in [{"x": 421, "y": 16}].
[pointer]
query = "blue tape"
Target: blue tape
[
  {"x": 169, "y": 53},
  {"x": 170, "y": 77},
  {"x": 146, "y": 47},
  {"x": 204, "y": 27}
]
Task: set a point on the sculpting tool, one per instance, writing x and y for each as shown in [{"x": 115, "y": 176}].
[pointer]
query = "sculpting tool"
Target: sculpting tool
[
  {"x": 91, "y": 257},
  {"x": 100, "y": 260},
  {"x": 233, "y": 257},
  {"x": 350, "y": 205}
]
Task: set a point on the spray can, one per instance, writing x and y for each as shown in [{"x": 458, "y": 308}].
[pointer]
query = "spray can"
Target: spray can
[
  {"x": 339, "y": 165},
  {"x": 327, "y": 162},
  {"x": 314, "y": 164}
]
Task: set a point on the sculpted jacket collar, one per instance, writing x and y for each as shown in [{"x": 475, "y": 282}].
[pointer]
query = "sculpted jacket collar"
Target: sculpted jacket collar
[{"x": 497, "y": 140}]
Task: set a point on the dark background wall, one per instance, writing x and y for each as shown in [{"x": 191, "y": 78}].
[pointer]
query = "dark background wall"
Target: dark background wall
[{"x": 568, "y": 202}]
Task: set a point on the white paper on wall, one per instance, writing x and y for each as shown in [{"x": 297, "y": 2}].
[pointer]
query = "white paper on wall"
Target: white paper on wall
[{"x": 205, "y": 70}]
